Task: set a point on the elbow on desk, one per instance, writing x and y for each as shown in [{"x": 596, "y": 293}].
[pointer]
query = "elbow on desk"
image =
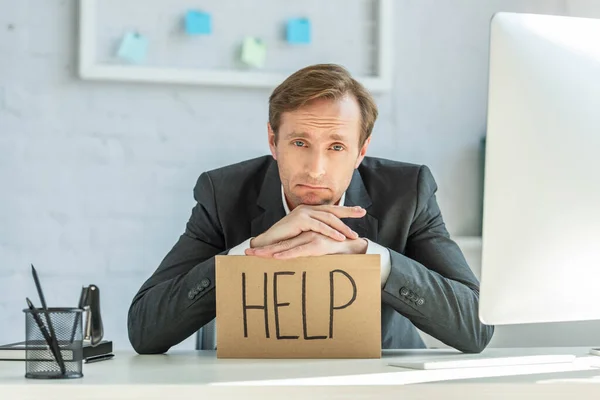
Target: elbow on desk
[
  {"x": 479, "y": 341},
  {"x": 140, "y": 343},
  {"x": 144, "y": 349},
  {"x": 142, "y": 340}
]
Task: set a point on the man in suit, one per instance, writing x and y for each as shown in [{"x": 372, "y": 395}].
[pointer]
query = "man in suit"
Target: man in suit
[{"x": 318, "y": 194}]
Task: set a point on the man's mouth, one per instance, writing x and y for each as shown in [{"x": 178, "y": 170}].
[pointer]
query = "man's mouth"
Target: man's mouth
[{"x": 313, "y": 187}]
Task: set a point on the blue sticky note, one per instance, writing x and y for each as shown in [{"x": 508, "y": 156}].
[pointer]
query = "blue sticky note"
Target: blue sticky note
[
  {"x": 197, "y": 23},
  {"x": 298, "y": 31},
  {"x": 133, "y": 48}
]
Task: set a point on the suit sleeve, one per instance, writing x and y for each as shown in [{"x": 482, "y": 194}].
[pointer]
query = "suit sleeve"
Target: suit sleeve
[
  {"x": 179, "y": 297},
  {"x": 432, "y": 284}
]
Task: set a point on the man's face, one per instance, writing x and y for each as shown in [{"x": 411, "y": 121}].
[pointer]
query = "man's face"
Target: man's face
[{"x": 317, "y": 150}]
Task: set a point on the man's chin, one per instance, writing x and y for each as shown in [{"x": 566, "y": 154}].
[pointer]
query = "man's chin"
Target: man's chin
[{"x": 314, "y": 201}]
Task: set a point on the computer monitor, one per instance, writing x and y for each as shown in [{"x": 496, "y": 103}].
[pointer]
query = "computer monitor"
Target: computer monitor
[{"x": 541, "y": 222}]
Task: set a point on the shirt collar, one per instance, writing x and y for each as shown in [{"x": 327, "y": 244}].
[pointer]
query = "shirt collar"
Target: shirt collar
[{"x": 287, "y": 209}]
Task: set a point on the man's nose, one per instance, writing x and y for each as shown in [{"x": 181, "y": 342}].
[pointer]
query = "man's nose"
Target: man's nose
[{"x": 316, "y": 165}]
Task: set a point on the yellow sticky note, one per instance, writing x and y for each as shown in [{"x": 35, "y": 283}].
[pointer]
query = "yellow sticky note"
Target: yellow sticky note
[{"x": 254, "y": 52}]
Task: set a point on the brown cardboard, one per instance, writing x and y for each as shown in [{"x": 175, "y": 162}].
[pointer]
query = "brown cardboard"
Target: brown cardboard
[{"x": 356, "y": 328}]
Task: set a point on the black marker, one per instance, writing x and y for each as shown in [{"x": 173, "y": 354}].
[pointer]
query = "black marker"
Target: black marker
[
  {"x": 40, "y": 324},
  {"x": 53, "y": 340}
]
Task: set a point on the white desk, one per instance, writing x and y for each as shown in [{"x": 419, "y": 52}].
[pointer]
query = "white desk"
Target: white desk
[{"x": 190, "y": 374}]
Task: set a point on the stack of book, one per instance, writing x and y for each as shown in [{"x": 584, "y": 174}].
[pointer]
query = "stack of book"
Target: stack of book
[{"x": 17, "y": 351}]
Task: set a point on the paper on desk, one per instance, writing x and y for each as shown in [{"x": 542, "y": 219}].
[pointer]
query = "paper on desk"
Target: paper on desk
[{"x": 479, "y": 361}]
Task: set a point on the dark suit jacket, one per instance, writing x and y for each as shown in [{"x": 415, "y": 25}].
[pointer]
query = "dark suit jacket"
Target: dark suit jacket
[{"x": 430, "y": 285}]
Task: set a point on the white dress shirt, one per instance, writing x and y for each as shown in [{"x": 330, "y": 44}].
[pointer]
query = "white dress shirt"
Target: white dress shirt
[{"x": 372, "y": 247}]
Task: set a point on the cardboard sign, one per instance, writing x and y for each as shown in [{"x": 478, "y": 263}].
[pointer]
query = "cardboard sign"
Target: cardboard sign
[{"x": 308, "y": 307}]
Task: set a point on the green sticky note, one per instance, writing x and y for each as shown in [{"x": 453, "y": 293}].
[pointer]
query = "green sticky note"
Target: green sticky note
[{"x": 254, "y": 52}]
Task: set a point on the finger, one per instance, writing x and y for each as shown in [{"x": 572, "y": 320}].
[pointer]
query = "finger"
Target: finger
[
  {"x": 304, "y": 250},
  {"x": 334, "y": 223},
  {"x": 323, "y": 228},
  {"x": 268, "y": 251},
  {"x": 342, "y": 211}
]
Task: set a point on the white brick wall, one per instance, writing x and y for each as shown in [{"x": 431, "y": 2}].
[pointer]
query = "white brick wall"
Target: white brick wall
[{"x": 96, "y": 178}]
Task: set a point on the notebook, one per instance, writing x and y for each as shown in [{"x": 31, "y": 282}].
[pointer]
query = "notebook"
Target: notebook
[{"x": 16, "y": 351}]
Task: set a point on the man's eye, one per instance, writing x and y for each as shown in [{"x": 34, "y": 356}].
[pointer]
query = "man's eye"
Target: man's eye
[
  {"x": 337, "y": 147},
  {"x": 298, "y": 143}
]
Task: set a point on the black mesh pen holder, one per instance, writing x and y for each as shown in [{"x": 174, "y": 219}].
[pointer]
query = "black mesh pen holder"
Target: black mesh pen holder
[{"x": 40, "y": 359}]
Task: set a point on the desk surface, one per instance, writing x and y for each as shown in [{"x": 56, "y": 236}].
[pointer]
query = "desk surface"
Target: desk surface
[{"x": 194, "y": 373}]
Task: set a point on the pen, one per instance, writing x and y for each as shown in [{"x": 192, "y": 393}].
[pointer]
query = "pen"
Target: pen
[
  {"x": 40, "y": 324},
  {"x": 101, "y": 357},
  {"x": 53, "y": 340}
]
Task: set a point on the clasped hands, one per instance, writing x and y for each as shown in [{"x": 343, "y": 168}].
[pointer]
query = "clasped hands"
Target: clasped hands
[{"x": 310, "y": 231}]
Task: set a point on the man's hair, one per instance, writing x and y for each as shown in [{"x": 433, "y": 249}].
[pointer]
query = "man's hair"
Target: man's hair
[{"x": 321, "y": 81}]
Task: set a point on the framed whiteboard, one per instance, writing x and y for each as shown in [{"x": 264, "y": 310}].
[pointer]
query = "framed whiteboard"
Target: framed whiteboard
[{"x": 92, "y": 69}]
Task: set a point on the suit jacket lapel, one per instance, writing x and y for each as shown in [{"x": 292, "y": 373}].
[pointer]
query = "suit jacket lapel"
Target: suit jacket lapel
[
  {"x": 357, "y": 195},
  {"x": 269, "y": 200}
]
